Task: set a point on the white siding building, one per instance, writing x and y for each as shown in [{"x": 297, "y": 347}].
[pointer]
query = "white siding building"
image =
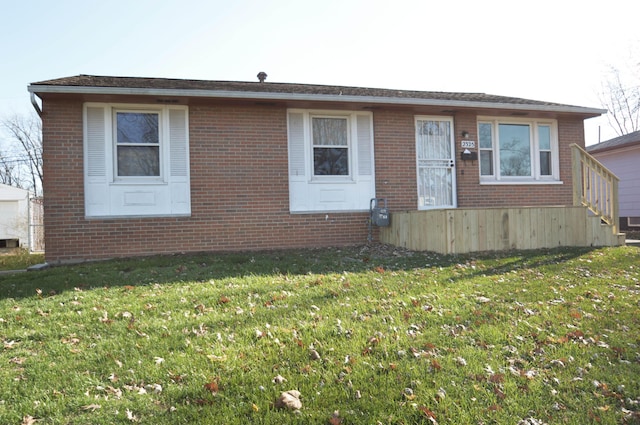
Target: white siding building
[
  {"x": 622, "y": 156},
  {"x": 14, "y": 217}
]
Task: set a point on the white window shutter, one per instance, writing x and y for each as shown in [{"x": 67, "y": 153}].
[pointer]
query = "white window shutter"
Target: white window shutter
[
  {"x": 96, "y": 158},
  {"x": 179, "y": 161},
  {"x": 297, "y": 158},
  {"x": 178, "y": 143},
  {"x": 365, "y": 144},
  {"x": 96, "y": 143}
]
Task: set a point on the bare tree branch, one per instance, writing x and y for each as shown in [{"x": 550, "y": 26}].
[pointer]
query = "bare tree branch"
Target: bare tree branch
[
  {"x": 621, "y": 97},
  {"x": 21, "y": 154}
]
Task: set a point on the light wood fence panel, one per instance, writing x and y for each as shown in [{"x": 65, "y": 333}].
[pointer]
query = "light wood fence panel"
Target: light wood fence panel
[{"x": 463, "y": 230}]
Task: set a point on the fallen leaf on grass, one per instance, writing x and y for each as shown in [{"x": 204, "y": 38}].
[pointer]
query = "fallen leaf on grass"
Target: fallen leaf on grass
[
  {"x": 92, "y": 407},
  {"x": 279, "y": 379},
  {"x": 29, "y": 420},
  {"x": 131, "y": 416},
  {"x": 496, "y": 378},
  {"x": 17, "y": 360},
  {"x": 215, "y": 358},
  {"x": 335, "y": 418},
  {"x": 429, "y": 414},
  {"x": 212, "y": 386},
  {"x": 289, "y": 400}
]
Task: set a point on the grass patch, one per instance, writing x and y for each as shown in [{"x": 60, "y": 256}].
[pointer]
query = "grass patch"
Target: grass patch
[
  {"x": 366, "y": 335},
  {"x": 19, "y": 259}
]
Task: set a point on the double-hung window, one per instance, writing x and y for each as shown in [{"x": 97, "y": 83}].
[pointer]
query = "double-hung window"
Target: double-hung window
[
  {"x": 137, "y": 144},
  {"x": 330, "y": 146},
  {"x": 136, "y": 160},
  {"x": 331, "y": 166},
  {"x": 518, "y": 151}
]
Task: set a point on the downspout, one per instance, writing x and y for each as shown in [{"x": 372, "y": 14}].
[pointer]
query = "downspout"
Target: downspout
[{"x": 35, "y": 104}]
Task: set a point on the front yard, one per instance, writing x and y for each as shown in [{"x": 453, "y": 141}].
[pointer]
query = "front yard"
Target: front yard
[{"x": 366, "y": 335}]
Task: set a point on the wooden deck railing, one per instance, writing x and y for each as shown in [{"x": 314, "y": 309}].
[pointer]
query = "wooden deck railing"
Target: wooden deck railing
[{"x": 595, "y": 187}]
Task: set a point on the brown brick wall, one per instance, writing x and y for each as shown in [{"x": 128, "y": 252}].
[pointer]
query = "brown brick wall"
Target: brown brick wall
[
  {"x": 239, "y": 193},
  {"x": 239, "y": 186},
  {"x": 396, "y": 166}
]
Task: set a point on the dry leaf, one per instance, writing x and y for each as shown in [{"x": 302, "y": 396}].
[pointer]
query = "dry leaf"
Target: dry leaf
[
  {"x": 279, "y": 379},
  {"x": 92, "y": 407},
  {"x": 429, "y": 414},
  {"x": 215, "y": 358},
  {"x": 289, "y": 400},
  {"x": 28, "y": 420},
  {"x": 496, "y": 378},
  {"x": 335, "y": 418},
  {"x": 131, "y": 416},
  {"x": 8, "y": 344},
  {"x": 212, "y": 386}
]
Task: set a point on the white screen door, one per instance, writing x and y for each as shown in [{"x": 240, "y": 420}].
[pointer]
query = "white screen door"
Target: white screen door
[{"x": 436, "y": 163}]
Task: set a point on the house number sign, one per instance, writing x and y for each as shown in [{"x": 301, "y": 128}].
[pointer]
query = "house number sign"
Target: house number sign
[{"x": 468, "y": 144}]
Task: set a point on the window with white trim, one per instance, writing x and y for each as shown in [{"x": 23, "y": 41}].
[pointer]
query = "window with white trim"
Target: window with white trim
[
  {"x": 137, "y": 143},
  {"x": 518, "y": 150},
  {"x": 330, "y": 160},
  {"x": 136, "y": 160},
  {"x": 330, "y": 138}
]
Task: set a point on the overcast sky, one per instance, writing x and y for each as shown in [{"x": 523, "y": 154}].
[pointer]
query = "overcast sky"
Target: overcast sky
[{"x": 552, "y": 50}]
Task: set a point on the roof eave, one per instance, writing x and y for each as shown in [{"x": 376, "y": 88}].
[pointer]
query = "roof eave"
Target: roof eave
[{"x": 272, "y": 96}]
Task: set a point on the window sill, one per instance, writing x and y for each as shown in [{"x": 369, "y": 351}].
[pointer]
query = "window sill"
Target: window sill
[
  {"x": 139, "y": 183},
  {"x": 331, "y": 181},
  {"x": 134, "y": 216},
  {"x": 319, "y": 211},
  {"x": 520, "y": 182}
]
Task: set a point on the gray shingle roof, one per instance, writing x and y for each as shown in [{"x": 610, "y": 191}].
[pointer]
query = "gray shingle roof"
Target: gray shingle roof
[
  {"x": 616, "y": 143},
  {"x": 282, "y": 90}
]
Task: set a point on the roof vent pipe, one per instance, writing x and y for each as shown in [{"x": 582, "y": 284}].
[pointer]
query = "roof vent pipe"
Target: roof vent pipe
[{"x": 262, "y": 76}]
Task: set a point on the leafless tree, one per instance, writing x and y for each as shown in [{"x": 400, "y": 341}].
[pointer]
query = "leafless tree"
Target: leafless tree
[
  {"x": 621, "y": 97},
  {"x": 21, "y": 152}
]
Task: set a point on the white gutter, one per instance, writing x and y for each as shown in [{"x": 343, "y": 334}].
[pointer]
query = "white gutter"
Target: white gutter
[
  {"x": 35, "y": 104},
  {"x": 229, "y": 94}
]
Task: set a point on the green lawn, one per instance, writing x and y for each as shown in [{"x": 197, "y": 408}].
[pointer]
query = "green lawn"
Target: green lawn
[
  {"x": 18, "y": 259},
  {"x": 367, "y": 335}
]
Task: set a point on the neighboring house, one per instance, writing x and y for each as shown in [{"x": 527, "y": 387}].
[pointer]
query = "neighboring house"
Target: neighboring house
[
  {"x": 621, "y": 155},
  {"x": 14, "y": 217},
  {"x": 138, "y": 166}
]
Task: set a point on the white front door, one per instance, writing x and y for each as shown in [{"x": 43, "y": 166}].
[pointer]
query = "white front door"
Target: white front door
[{"x": 435, "y": 154}]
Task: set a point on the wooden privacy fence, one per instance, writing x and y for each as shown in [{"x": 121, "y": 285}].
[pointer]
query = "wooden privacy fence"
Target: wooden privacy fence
[{"x": 463, "y": 230}]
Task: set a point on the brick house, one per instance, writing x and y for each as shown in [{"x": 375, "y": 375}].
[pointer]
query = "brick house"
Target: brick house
[{"x": 138, "y": 166}]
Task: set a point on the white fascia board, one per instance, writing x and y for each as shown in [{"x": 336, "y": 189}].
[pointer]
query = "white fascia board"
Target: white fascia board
[{"x": 229, "y": 94}]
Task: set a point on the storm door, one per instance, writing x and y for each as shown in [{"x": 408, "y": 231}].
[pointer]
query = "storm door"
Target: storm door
[{"x": 435, "y": 156}]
